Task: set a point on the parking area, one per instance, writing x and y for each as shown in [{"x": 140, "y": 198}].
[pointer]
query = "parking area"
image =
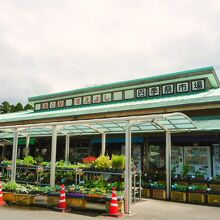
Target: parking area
[{"x": 147, "y": 210}]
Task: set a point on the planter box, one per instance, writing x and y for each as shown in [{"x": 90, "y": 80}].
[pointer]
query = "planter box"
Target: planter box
[
  {"x": 146, "y": 193},
  {"x": 178, "y": 196},
  {"x": 26, "y": 199},
  {"x": 53, "y": 200},
  {"x": 158, "y": 194},
  {"x": 197, "y": 198},
  {"x": 41, "y": 200},
  {"x": 8, "y": 196},
  {"x": 76, "y": 203},
  {"x": 215, "y": 187},
  {"x": 214, "y": 199},
  {"x": 120, "y": 206}
]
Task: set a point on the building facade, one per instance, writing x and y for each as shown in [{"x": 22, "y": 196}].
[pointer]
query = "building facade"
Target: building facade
[{"x": 194, "y": 93}]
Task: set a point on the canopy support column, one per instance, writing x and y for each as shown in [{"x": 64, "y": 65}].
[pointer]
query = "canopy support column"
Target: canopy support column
[
  {"x": 53, "y": 157},
  {"x": 128, "y": 175},
  {"x": 168, "y": 163},
  {"x": 27, "y": 146},
  {"x": 103, "y": 143},
  {"x": 14, "y": 155},
  {"x": 67, "y": 148}
]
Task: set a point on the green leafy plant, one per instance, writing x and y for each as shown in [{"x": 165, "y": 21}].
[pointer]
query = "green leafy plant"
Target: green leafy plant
[
  {"x": 29, "y": 160},
  {"x": 185, "y": 170},
  {"x": 19, "y": 162},
  {"x": 178, "y": 187},
  {"x": 60, "y": 163},
  {"x": 197, "y": 188},
  {"x": 118, "y": 162},
  {"x": 9, "y": 186},
  {"x": 45, "y": 163},
  {"x": 199, "y": 175},
  {"x": 103, "y": 162},
  {"x": 6, "y": 162},
  {"x": 39, "y": 159}
]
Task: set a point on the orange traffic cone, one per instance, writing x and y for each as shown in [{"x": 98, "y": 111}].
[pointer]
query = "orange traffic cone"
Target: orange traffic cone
[
  {"x": 2, "y": 202},
  {"x": 62, "y": 202},
  {"x": 62, "y": 207},
  {"x": 114, "y": 210}
]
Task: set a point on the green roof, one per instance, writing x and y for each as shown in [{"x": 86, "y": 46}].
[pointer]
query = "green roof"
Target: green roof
[
  {"x": 168, "y": 101},
  {"x": 206, "y": 123},
  {"x": 213, "y": 81}
]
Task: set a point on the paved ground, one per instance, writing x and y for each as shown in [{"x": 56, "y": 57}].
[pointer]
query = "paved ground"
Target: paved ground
[{"x": 146, "y": 210}]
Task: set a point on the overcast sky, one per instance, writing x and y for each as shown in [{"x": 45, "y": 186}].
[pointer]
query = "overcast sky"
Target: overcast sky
[{"x": 55, "y": 45}]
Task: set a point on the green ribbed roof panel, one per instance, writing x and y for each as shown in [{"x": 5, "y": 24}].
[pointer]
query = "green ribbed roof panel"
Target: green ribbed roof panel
[
  {"x": 212, "y": 96},
  {"x": 213, "y": 81}
]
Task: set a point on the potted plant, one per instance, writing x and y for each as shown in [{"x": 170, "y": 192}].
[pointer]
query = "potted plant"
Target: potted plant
[
  {"x": 103, "y": 163},
  {"x": 118, "y": 162}
]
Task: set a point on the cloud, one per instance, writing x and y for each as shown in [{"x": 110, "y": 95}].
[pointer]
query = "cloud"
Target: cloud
[{"x": 54, "y": 45}]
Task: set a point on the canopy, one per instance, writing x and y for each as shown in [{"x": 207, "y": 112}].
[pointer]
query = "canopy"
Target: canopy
[{"x": 148, "y": 123}]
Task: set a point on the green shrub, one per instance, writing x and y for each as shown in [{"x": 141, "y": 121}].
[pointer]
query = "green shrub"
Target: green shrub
[{"x": 118, "y": 162}]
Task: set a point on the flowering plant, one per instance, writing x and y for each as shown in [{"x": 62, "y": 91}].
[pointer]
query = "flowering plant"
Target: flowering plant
[{"x": 89, "y": 160}]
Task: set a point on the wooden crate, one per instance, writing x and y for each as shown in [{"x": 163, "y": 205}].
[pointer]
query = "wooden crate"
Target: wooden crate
[
  {"x": 146, "y": 193},
  {"x": 178, "y": 196},
  {"x": 23, "y": 199},
  {"x": 76, "y": 202},
  {"x": 158, "y": 194},
  {"x": 197, "y": 198},
  {"x": 214, "y": 199},
  {"x": 8, "y": 196}
]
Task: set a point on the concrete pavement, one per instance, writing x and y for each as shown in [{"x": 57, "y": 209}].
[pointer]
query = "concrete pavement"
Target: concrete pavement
[{"x": 146, "y": 210}]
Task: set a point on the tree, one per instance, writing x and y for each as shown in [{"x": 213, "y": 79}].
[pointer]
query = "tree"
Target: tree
[
  {"x": 5, "y": 107},
  {"x": 28, "y": 106},
  {"x": 18, "y": 107}
]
